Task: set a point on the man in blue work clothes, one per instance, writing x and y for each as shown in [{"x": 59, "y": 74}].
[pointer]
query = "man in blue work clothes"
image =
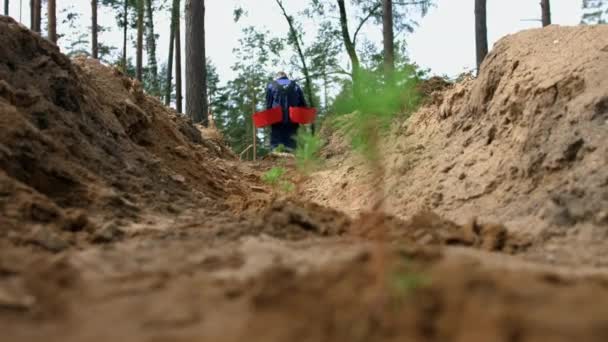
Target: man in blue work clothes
[{"x": 284, "y": 93}]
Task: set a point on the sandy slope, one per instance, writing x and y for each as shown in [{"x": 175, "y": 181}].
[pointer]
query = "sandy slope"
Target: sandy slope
[{"x": 523, "y": 145}]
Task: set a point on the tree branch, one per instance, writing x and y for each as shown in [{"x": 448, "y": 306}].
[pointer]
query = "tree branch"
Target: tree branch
[
  {"x": 296, "y": 42},
  {"x": 335, "y": 72},
  {"x": 408, "y": 3},
  {"x": 371, "y": 13}
]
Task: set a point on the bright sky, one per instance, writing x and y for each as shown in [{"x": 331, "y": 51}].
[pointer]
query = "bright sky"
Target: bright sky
[{"x": 444, "y": 42}]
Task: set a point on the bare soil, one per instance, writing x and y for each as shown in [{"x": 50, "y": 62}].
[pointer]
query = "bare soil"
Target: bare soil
[{"x": 120, "y": 220}]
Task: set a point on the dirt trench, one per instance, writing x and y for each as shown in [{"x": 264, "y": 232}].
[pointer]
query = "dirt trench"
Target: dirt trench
[{"x": 123, "y": 221}]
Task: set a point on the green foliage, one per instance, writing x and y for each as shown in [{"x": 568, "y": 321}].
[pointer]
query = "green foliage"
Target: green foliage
[
  {"x": 275, "y": 178},
  {"x": 234, "y": 104},
  {"x": 595, "y": 12},
  {"x": 365, "y": 117},
  {"x": 307, "y": 152},
  {"x": 280, "y": 149},
  {"x": 238, "y": 13},
  {"x": 403, "y": 283},
  {"x": 288, "y": 187},
  {"x": 404, "y": 279}
]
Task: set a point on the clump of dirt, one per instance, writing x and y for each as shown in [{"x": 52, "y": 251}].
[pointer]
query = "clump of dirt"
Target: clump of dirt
[
  {"x": 428, "y": 228},
  {"x": 432, "y": 89},
  {"x": 82, "y": 145},
  {"x": 427, "y": 297},
  {"x": 295, "y": 220},
  {"x": 523, "y": 144}
]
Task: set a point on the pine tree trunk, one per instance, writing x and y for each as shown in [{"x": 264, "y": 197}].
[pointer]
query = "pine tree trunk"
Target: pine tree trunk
[
  {"x": 178, "y": 65},
  {"x": 204, "y": 70},
  {"x": 196, "y": 66},
  {"x": 481, "y": 32},
  {"x": 140, "y": 40},
  {"x": 125, "y": 18},
  {"x": 52, "y": 24},
  {"x": 389, "y": 37},
  {"x": 37, "y": 15},
  {"x": 94, "y": 29},
  {"x": 325, "y": 91},
  {"x": 151, "y": 49},
  {"x": 350, "y": 48},
  {"x": 174, "y": 22},
  {"x": 546, "y": 8},
  {"x": 6, "y": 7},
  {"x": 32, "y": 14},
  {"x": 169, "y": 81}
]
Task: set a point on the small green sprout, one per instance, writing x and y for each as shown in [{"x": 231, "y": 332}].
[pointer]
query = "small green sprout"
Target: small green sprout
[
  {"x": 307, "y": 153},
  {"x": 274, "y": 176}
]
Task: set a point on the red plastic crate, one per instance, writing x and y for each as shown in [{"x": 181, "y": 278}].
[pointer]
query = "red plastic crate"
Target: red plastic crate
[
  {"x": 268, "y": 117},
  {"x": 302, "y": 115}
]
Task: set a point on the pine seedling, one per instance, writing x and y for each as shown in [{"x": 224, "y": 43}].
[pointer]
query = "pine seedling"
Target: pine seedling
[
  {"x": 378, "y": 104},
  {"x": 307, "y": 152},
  {"x": 307, "y": 156},
  {"x": 275, "y": 177}
]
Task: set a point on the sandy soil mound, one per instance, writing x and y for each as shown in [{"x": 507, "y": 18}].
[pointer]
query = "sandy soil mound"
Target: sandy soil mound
[
  {"x": 82, "y": 146},
  {"x": 524, "y": 144}
]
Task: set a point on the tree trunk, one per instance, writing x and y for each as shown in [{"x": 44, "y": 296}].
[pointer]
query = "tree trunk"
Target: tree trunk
[
  {"x": 174, "y": 22},
  {"x": 169, "y": 81},
  {"x": 178, "y": 65},
  {"x": 37, "y": 15},
  {"x": 298, "y": 46},
  {"x": 52, "y": 24},
  {"x": 32, "y": 15},
  {"x": 255, "y": 130},
  {"x": 125, "y": 29},
  {"x": 546, "y": 8},
  {"x": 94, "y": 29},
  {"x": 151, "y": 49},
  {"x": 6, "y": 7},
  {"x": 140, "y": 40},
  {"x": 481, "y": 32},
  {"x": 389, "y": 38},
  {"x": 350, "y": 47},
  {"x": 196, "y": 66},
  {"x": 325, "y": 92}
]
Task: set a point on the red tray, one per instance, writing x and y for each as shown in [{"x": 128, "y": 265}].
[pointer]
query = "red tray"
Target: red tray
[
  {"x": 268, "y": 117},
  {"x": 302, "y": 115}
]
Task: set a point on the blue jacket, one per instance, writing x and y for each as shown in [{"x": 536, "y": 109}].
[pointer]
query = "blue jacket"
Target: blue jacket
[{"x": 289, "y": 94}]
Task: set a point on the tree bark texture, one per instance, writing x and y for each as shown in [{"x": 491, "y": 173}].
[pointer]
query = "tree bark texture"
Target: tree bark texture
[
  {"x": 481, "y": 32},
  {"x": 37, "y": 15},
  {"x": 178, "y": 67},
  {"x": 546, "y": 8},
  {"x": 125, "y": 29},
  {"x": 151, "y": 49},
  {"x": 389, "y": 37},
  {"x": 32, "y": 15},
  {"x": 174, "y": 22},
  {"x": 350, "y": 48},
  {"x": 140, "y": 41},
  {"x": 196, "y": 66},
  {"x": 52, "y": 20},
  {"x": 94, "y": 30}
]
